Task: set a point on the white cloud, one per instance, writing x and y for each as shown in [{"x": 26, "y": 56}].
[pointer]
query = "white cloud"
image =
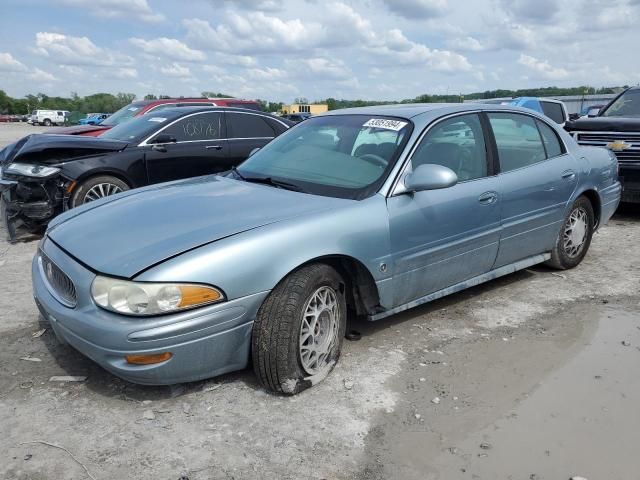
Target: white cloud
[
  {"x": 136, "y": 9},
  {"x": 397, "y": 49},
  {"x": 468, "y": 44},
  {"x": 176, "y": 70},
  {"x": 10, "y": 64},
  {"x": 417, "y": 9},
  {"x": 168, "y": 48},
  {"x": 266, "y": 73},
  {"x": 68, "y": 50},
  {"x": 542, "y": 68},
  {"x": 264, "y": 5},
  {"x": 126, "y": 73},
  {"x": 527, "y": 11},
  {"x": 262, "y": 33},
  {"x": 41, "y": 76},
  {"x": 323, "y": 67}
]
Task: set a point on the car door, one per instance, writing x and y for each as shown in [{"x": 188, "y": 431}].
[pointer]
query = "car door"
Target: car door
[
  {"x": 200, "y": 148},
  {"x": 537, "y": 177},
  {"x": 442, "y": 237},
  {"x": 247, "y": 131}
]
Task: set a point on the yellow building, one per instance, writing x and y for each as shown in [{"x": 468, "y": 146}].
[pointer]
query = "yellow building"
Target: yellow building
[{"x": 314, "y": 109}]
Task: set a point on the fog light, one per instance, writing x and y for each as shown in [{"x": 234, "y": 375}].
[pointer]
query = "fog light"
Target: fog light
[{"x": 149, "y": 359}]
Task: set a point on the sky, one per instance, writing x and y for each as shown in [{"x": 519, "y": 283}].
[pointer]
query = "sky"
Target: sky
[{"x": 281, "y": 49}]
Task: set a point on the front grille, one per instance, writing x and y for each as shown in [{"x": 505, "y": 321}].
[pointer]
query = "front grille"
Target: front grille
[
  {"x": 602, "y": 139},
  {"x": 58, "y": 282}
]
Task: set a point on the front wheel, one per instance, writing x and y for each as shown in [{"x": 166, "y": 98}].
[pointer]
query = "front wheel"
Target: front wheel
[
  {"x": 298, "y": 332},
  {"x": 47, "y": 122},
  {"x": 96, "y": 188},
  {"x": 575, "y": 236}
]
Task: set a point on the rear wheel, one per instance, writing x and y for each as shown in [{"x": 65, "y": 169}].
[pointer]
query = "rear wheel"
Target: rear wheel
[
  {"x": 575, "y": 236},
  {"x": 96, "y": 188},
  {"x": 298, "y": 332}
]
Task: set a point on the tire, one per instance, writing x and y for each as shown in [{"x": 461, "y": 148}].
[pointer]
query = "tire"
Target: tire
[
  {"x": 577, "y": 227},
  {"x": 282, "y": 360},
  {"x": 47, "y": 122},
  {"x": 95, "y": 188}
]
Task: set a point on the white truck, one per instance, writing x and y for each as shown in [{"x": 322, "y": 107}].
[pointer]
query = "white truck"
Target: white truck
[{"x": 48, "y": 117}]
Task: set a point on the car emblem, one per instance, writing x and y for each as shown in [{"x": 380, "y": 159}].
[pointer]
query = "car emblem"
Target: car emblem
[{"x": 618, "y": 145}]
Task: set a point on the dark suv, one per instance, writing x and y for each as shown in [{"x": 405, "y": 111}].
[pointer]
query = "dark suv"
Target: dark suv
[
  {"x": 142, "y": 107},
  {"x": 616, "y": 127}
]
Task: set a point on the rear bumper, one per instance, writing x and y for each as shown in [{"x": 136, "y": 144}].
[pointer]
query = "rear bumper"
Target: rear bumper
[
  {"x": 630, "y": 177},
  {"x": 204, "y": 342}
]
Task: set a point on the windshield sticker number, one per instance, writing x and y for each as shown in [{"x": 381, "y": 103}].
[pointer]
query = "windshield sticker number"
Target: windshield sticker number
[
  {"x": 157, "y": 119},
  {"x": 133, "y": 109},
  {"x": 385, "y": 123}
]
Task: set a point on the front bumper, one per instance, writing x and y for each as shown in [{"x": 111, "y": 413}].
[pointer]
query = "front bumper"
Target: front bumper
[
  {"x": 204, "y": 342},
  {"x": 629, "y": 173},
  {"x": 32, "y": 203}
]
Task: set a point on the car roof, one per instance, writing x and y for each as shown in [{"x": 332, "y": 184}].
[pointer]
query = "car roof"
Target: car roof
[
  {"x": 406, "y": 110},
  {"x": 176, "y": 112},
  {"x": 423, "y": 113}
]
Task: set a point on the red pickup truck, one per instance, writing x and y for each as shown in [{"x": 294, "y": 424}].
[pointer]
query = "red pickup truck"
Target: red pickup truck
[{"x": 141, "y": 107}]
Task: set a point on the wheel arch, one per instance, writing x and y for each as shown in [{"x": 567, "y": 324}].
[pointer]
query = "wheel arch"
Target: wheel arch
[
  {"x": 360, "y": 287},
  {"x": 596, "y": 204}
]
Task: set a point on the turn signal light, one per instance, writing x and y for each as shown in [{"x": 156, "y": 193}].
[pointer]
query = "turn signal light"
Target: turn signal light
[
  {"x": 193, "y": 295},
  {"x": 148, "y": 359}
]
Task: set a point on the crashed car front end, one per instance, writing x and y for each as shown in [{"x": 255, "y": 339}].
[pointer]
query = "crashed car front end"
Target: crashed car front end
[
  {"x": 33, "y": 185},
  {"x": 32, "y": 195}
]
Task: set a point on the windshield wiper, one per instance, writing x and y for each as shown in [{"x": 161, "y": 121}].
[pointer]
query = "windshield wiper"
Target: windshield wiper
[
  {"x": 237, "y": 173},
  {"x": 274, "y": 183}
]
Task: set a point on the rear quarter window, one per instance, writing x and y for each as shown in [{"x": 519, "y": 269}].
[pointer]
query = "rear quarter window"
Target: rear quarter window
[{"x": 246, "y": 125}]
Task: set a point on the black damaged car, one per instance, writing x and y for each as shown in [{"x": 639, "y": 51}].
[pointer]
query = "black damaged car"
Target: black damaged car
[
  {"x": 43, "y": 175},
  {"x": 616, "y": 127}
]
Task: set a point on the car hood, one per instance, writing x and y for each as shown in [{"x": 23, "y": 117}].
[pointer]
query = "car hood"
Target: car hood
[
  {"x": 604, "y": 124},
  {"x": 80, "y": 130},
  {"x": 133, "y": 231},
  {"x": 52, "y": 149}
]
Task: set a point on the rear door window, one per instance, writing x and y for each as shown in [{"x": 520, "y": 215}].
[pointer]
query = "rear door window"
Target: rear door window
[
  {"x": 518, "y": 140},
  {"x": 246, "y": 125},
  {"x": 554, "y": 111},
  {"x": 194, "y": 128}
]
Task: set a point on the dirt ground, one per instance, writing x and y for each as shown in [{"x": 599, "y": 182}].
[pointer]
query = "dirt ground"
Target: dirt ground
[{"x": 532, "y": 376}]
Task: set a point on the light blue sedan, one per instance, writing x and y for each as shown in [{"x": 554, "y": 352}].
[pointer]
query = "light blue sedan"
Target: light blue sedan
[{"x": 366, "y": 211}]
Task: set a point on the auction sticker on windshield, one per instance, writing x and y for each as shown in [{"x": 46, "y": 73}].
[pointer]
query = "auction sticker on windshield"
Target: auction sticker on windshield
[
  {"x": 157, "y": 119},
  {"x": 385, "y": 123}
]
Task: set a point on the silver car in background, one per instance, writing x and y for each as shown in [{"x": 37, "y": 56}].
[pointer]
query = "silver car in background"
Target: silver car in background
[{"x": 366, "y": 211}]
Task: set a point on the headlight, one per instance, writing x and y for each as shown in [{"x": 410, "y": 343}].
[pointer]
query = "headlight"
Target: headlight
[
  {"x": 138, "y": 298},
  {"x": 28, "y": 170}
]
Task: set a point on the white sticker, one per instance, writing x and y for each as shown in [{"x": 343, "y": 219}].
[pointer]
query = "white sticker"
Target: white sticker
[
  {"x": 133, "y": 109},
  {"x": 157, "y": 119},
  {"x": 385, "y": 123}
]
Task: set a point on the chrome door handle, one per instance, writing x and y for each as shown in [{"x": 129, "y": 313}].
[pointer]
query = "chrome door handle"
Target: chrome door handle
[
  {"x": 213, "y": 147},
  {"x": 488, "y": 198},
  {"x": 568, "y": 174}
]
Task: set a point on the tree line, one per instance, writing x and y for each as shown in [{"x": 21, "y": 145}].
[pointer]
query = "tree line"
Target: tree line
[{"x": 109, "y": 103}]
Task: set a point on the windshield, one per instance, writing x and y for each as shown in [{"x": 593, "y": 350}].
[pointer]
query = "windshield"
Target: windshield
[
  {"x": 137, "y": 129},
  {"x": 626, "y": 105},
  {"x": 345, "y": 156},
  {"x": 123, "y": 115}
]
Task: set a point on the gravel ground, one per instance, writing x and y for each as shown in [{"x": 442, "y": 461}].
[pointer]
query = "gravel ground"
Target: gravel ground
[{"x": 531, "y": 376}]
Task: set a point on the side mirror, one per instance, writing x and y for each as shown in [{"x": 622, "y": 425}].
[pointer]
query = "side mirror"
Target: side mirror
[
  {"x": 252, "y": 152},
  {"x": 430, "y": 177},
  {"x": 574, "y": 116},
  {"x": 593, "y": 113},
  {"x": 164, "y": 138}
]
